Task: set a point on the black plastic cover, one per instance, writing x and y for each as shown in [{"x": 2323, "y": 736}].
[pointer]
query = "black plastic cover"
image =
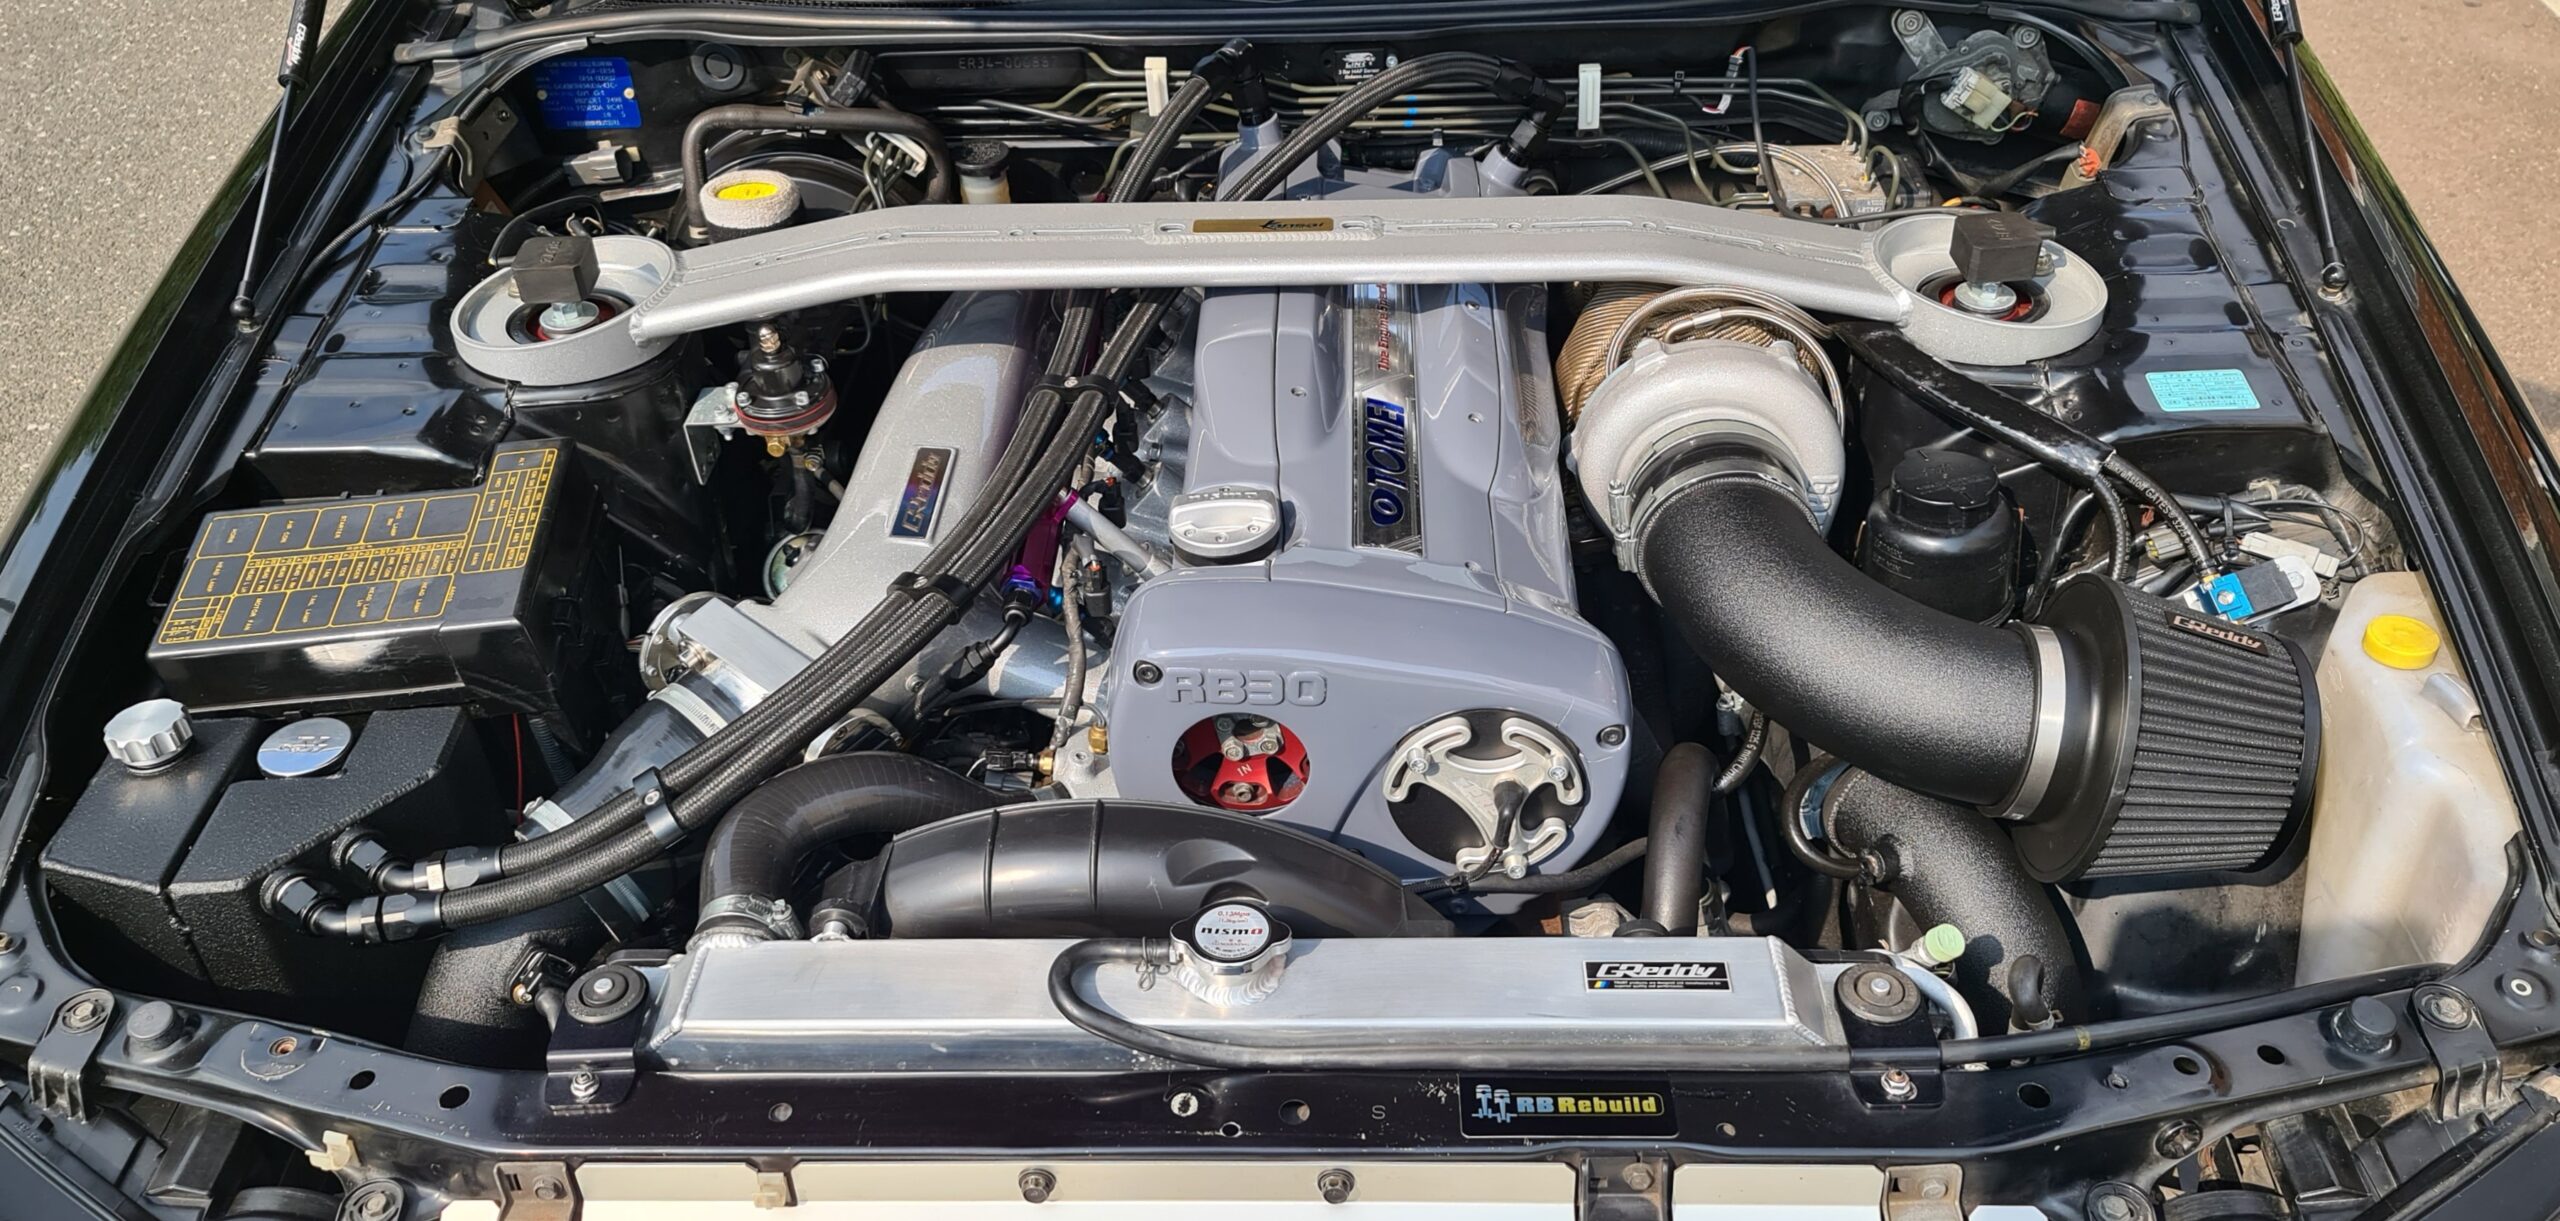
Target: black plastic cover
[
  {"x": 1132, "y": 869},
  {"x": 437, "y": 597}
]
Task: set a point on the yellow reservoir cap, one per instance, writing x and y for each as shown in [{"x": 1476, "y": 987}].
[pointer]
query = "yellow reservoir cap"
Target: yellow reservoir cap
[
  {"x": 2401, "y": 642},
  {"x": 750, "y": 189}
]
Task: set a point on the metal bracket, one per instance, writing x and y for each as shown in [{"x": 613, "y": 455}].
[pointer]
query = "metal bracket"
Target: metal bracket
[
  {"x": 1534, "y": 758},
  {"x": 58, "y": 1067},
  {"x": 2124, "y": 110},
  {"x": 2468, "y": 1069},
  {"x": 1919, "y": 37},
  {"x": 536, "y": 1191},
  {"x": 713, "y": 420},
  {"x": 1924, "y": 1193},
  {"x": 1628, "y": 1189}
]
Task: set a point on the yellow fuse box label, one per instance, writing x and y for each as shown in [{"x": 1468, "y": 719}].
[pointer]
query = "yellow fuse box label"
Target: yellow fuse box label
[{"x": 277, "y": 571}]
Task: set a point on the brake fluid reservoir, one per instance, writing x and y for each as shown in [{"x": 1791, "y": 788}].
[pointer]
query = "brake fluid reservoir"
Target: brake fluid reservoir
[{"x": 2411, "y": 820}]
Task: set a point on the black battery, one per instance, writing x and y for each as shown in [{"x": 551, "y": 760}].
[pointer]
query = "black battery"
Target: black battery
[{"x": 453, "y": 597}]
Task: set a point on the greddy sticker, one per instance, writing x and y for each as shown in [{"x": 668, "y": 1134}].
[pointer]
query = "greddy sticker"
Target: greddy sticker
[
  {"x": 1623, "y": 976},
  {"x": 923, "y": 494},
  {"x": 1263, "y": 224},
  {"x": 1548, "y": 1106},
  {"x": 1386, "y": 484}
]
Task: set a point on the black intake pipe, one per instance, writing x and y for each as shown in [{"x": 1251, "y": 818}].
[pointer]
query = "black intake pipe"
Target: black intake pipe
[
  {"x": 1130, "y": 869},
  {"x": 1917, "y": 696},
  {"x": 751, "y": 861},
  {"x": 1675, "y": 863},
  {"x": 1949, "y": 865},
  {"x": 2123, "y": 734}
]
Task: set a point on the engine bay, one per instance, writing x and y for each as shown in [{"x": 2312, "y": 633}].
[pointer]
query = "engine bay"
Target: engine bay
[{"x": 799, "y": 560}]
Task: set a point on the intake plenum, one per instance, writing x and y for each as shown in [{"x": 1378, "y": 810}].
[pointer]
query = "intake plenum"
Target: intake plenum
[{"x": 2123, "y": 734}]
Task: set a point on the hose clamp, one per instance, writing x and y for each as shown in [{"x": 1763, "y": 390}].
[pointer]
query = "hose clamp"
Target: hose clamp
[
  {"x": 773, "y": 915},
  {"x": 2044, "y": 745},
  {"x": 696, "y": 710}
]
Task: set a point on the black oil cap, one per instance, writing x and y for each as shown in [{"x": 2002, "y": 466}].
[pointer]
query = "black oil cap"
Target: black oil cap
[
  {"x": 1996, "y": 247},
  {"x": 554, "y": 270}
]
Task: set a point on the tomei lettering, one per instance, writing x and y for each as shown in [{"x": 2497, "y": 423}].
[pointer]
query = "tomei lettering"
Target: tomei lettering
[{"x": 1190, "y": 685}]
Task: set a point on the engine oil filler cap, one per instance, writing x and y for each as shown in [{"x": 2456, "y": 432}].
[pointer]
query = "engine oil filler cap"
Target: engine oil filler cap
[
  {"x": 306, "y": 747},
  {"x": 1230, "y": 953},
  {"x": 2401, "y": 642}
]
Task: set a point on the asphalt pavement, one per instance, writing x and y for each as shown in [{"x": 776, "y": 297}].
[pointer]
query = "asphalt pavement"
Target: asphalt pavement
[{"x": 124, "y": 115}]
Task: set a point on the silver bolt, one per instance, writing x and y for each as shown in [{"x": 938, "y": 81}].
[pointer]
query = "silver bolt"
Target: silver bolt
[
  {"x": 1037, "y": 1185},
  {"x": 569, "y": 317},
  {"x": 548, "y": 1188},
  {"x": 1185, "y": 1104},
  {"x": 83, "y": 1014},
  {"x": 1908, "y": 22},
  {"x": 2446, "y": 1009},
  {"x": 1880, "y": 986},
  {"x": 1335, "y": 1186},
  {"x": 1898, "y": 1085},
  {"x": 583, "y": 1085},
  {"x": 1638, "y": 1177},
  {"x": 2113, "y": 1207},
  {"x": 2026, "y": 36},
  {"x": 374, "y": 1204}
]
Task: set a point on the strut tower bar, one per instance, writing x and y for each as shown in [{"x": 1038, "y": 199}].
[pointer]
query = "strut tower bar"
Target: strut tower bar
[{"x": 1828, "y": 269}]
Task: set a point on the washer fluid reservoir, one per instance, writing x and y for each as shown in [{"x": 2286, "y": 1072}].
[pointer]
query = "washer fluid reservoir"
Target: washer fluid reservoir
[{"x": 2410, "y": 823}]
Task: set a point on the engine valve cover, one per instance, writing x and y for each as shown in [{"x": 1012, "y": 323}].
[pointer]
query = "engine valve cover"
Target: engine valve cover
[{"x": 1409, "y": 438}]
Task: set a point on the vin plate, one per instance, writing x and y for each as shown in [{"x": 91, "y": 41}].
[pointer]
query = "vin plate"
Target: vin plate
[
  {"x": 1557, "y": 1106},
  {"x": 1619, "y": 975}
]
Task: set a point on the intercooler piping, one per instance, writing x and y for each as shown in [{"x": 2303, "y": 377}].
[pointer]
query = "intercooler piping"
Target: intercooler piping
[
  {"x": 1129, "y": 868},
  {"x": 1949, "y": 865},
  {"x": 1675, "y": 863},
  {"x": 751, "y": 860}
]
